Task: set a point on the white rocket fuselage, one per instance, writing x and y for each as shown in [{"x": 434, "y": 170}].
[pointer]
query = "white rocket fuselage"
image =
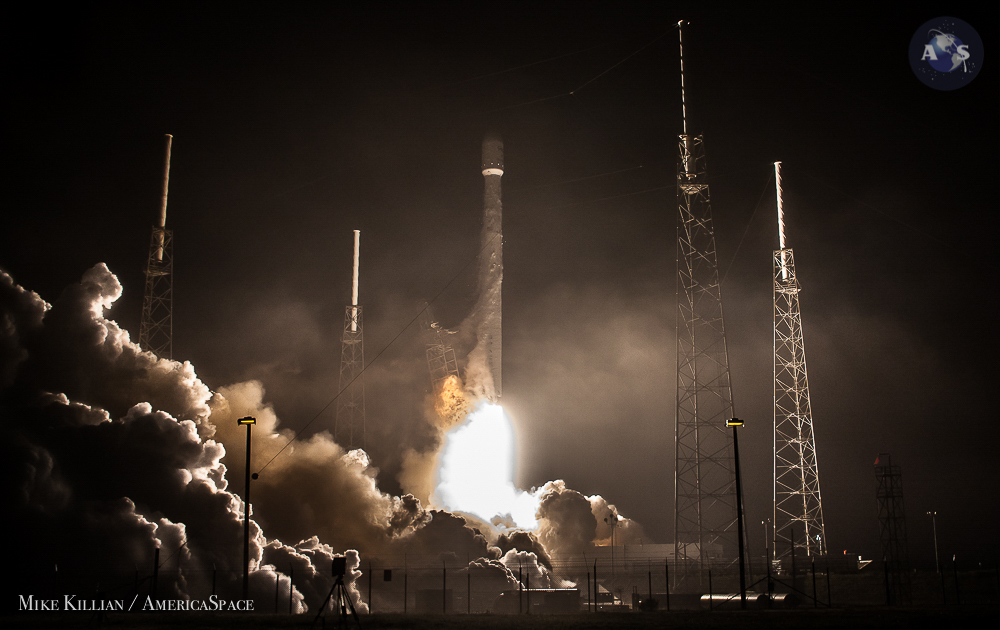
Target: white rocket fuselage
[{"x": 489, "y": 326}]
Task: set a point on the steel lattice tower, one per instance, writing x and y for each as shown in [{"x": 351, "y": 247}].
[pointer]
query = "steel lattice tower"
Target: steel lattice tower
[
  {"x": 349, "y": 429},
  {"x": 156, "y": 327},
  {"x": 892, "y": 527},
  {"x": 796, "y": 476},
  {"x": 704, "y": 474}
]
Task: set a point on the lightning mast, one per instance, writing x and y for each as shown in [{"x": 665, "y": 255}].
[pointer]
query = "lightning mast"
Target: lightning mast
[
  {"x": 349, "y": 429},
  {"x": 796, "y": 476},
  {"x": 156, "y": 328},
  {"x": 704, "y": 474}
]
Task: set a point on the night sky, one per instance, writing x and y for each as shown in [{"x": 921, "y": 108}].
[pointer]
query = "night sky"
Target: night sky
[{"x": 294, "y": 125}]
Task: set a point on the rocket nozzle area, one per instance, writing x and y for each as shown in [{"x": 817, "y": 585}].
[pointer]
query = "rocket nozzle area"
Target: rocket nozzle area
[{"x": 492, "y": 154}]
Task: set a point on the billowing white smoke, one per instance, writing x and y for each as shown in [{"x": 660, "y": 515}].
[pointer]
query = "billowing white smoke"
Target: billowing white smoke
[
  {"x": 96, "y": 483},
  {"x": 112, "y": 452}
]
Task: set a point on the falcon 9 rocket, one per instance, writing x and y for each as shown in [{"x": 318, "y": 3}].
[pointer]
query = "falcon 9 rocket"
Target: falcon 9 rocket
[{"x": 487, "y": 354}]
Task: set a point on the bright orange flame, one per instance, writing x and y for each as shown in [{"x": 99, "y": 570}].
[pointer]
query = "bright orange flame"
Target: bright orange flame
[{"x": 450, "y": 404}]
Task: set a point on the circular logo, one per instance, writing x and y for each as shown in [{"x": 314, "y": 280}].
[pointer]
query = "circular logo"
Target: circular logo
[{"x": 946, "y": 53}]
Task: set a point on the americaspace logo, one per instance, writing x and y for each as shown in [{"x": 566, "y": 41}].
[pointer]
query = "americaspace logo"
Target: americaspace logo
[{"x": 946, "y": 53}]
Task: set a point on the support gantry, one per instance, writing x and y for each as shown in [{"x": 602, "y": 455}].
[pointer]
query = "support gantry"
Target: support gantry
[
  {"x": 349, "y": 428},
  {"x": 156, "y": 326}
]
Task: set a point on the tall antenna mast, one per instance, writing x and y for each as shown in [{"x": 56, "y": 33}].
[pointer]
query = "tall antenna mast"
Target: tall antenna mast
[
  {"x": 156, "y": 327},
  {"x": 704, "y": 474},
  {"x": 798, "y": 507},
  {"x": 349, "y": 428}
]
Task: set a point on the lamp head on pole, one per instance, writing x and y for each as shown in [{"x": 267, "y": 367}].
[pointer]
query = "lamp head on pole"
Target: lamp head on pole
[
  {"x": 247, "y": 420},
  {"x": 734, "y": 422}
]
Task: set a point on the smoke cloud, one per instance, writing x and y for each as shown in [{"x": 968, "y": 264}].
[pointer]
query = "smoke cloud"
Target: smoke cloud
[{"x": 113, "y": 453}]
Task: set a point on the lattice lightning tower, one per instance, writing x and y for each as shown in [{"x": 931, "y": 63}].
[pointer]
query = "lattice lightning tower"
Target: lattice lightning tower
[
  {"x": 796, "y": 476},
  {"x": 349, "y": 429},
  {"x": 704, "y": 476},
  {"x": 156, "y": 327},
  {"x": 892, "y": 528}
]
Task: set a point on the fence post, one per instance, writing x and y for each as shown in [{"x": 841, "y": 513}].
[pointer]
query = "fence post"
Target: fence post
[
  {"x": 885, "y": 574},
  {"x": 815, "y": 596},
  {"x": 710, "y": 602},
  {"x": 829, "y": 597},
  {"x": 666, "y": 572},
  {"x": 954, "y": 568}
]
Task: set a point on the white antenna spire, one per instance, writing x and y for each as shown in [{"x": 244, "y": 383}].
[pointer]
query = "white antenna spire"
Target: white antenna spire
[
  {"x": 680, "y": 37},
  {"x": 163, "y": 199},
  {"x": 781, "y": 210},
  {"x": 354, "y": 286},
  {"x": 781, "y": 220}
]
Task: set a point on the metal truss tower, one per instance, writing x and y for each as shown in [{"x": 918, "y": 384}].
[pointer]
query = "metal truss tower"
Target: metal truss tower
[
  {"x": 892, "y": 528},
  {"x": 349, "y": 429},
  {"x": 156, "y": 327},
  {"x": 796, "y": 476},
  {"x": 704, "y": 475}
]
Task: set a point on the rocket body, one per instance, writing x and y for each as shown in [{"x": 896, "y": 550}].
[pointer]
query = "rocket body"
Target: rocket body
[{"x": 486, "y": 357}]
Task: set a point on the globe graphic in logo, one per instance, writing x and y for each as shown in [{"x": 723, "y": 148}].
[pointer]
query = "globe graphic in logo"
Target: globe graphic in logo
[
  {"x": 946, "y": 53},
  {"x": 945, "y": 47}
]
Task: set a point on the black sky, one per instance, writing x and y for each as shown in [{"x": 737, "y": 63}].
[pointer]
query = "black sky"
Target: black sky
[{"x": 295, "y": 125}]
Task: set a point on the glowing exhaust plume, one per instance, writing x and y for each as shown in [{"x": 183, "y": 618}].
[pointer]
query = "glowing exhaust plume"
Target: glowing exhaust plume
[
  {"x": 477, "y": 471},
  {"x": 451, "y": 405}
]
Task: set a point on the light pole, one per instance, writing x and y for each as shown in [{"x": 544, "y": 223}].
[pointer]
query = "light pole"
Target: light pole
[
  {"x": 937, "y": 563},
  {"x": 736, "y": 423},
  {"x": 767, "y": 541},
  {"x": 249, "y": 422}
]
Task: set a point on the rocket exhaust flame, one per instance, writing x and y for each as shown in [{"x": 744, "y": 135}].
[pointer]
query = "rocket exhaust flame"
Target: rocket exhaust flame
[
  {"x": 451, "y": 404},
  {"x": 477, "y": 471}
]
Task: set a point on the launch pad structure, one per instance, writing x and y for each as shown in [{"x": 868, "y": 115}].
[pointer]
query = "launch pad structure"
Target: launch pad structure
[
  {"x": 156, "y": 326},
  {"x": 705, "y": 503},
  {"x": 349, "y": 426},
  {"x": 442, "y": 362},
  {"x": 797, "y": 499}
]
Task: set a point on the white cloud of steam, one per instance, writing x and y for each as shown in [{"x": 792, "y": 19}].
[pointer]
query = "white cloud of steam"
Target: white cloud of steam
[
  {"x": 112, "y": 452},
  {"x": 94, "y": 491}
]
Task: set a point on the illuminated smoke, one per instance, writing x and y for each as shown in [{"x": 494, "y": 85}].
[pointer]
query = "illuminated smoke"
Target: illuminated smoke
[
  {"x": 451, "y": 405},
  {"x": 97, "y": 483},
  {"x": 114, "y": 452}
]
